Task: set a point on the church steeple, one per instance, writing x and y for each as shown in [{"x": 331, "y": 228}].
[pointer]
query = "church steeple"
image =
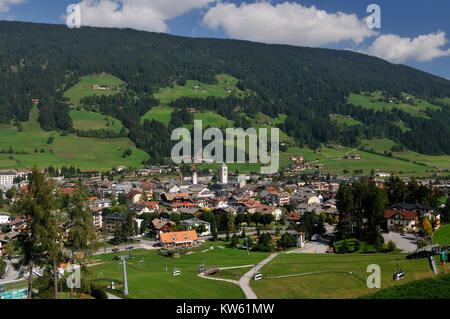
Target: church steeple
[{"x": 223, "y": 178}]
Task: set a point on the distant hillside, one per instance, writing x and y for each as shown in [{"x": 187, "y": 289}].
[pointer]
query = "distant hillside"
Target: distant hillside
[{"x": 306, "y": 84}]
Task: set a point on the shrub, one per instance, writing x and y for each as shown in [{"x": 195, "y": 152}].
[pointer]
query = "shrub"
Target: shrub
[
  {"x": 392, "y": 246},
  {"x": 98, "y": 292}
]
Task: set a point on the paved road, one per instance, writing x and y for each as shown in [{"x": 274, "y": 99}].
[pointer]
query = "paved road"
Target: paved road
[
  {"x": 312, "y": 247},
  {"x": 406, "y": 243},
  {"x": 111, "y": 296},
  {"x": 11, "y": 274},
  {"x": 244, "y": 282}
]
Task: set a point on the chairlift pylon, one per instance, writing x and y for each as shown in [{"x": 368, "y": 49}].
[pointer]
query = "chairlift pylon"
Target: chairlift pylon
[{"x": 399, "y": 274}]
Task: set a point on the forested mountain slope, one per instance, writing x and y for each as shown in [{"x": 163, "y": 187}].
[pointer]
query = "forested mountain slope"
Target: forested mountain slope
[{"x": 307, "y": 84}]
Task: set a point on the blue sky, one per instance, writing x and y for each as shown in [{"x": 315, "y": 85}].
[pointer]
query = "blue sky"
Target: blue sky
[{"x": 416, "y": 33}]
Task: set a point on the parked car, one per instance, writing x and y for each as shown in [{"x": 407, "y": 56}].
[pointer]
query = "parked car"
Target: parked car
[
  {"x": 315, "y": 237},
  {"x": 129, "y": 247},
  {"x": 115, "y": 250}
]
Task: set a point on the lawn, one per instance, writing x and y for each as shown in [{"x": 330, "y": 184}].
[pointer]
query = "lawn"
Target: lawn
[
  {"x": 82, "y": 152},
  {"x": 442, "y": 236},
  {"x": 148, "y": 279},
  {"x": 224, "y": 82},
  {"x": 429, "y": 288},
  {"x": 371, "y": 102},
  {"x": 333, "y": 279},
  {"x": 233, "y": 274},
  {"x": 84, "y": 87}
]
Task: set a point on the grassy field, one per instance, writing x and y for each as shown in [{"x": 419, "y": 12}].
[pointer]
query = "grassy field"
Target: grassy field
[
  {"x": 381, "y": 145},
  {"x": 159, "y": 113},
  {"x": 150, "y": 280},
  {"x": 371, "y": 102},
  {"x": 429, "y": 288},
  {"x": 333, "y": 158},
  {"x": 84, "y": 87},
  {"x": 335, "y": 281},
  {"x": 224, "y": 82},
  {"x": 82, "y": 152},
  {"x": 85, "y": 120},
  {"x": 442, "y": 236},
  {"x": 212, "y": 119},
  {"x": 342, "y": 120}
]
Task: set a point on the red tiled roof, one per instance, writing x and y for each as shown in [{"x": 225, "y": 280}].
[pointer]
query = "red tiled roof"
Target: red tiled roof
[
  {"x": 180, "y": 236},
  {"x": 408, "y": 215}
]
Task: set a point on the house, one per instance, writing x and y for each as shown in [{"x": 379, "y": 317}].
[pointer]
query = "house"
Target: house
[
  {"x": 401, "y": 220},
  {"x": 97, "y": 218},
  {"x": 194, "y": 224},
  {"x": 179, "y": 239},
  {"x": 5, "y": 218},
  {"x": 353, "y": 156},
  {"x": 139, "y": 208},
  {"x": 112, "y": 220},
  {"x": 293, "y": 217},
  {"x": 159, "y": 226},
  {"x": 279, "y": 199},
  {"x": 134, "y": 196},
  {"x": 2, "y": 244},
  {"x": 194, "y": 211},
  {"x": 275, "y": 211},
  {"x": 196, "y": 87},
  {"x": 7, "y": 177},
  {"x": 422, "y": 211}
]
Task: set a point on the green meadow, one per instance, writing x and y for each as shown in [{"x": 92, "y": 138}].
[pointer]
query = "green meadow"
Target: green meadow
[
  {"x": 342, "y": 120},
  {"x": 147, "y": 276},
  {"x": 84, "y": 87},
  {"x": 85, "y": 120},
  {"x": 371, "y": 102},
  {"x": 82, "y": 152},
  {"x": 159, "y": 113},
  {"x": 428, "y": 288},
  {"x": 226, "y": 86},
  {"x": 442, "y": 236},
  {"x": 328, "y": 276},
  {"x": 381, "y": 145}
]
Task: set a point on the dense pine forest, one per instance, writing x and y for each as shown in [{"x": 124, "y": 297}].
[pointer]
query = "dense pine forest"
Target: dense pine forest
[{"x": 307, "y": 84}]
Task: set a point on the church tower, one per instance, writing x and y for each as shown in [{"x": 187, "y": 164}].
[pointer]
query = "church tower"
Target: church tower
[
  {"x": 194, "y": 178},
  {"x": 223, "y": 178}
]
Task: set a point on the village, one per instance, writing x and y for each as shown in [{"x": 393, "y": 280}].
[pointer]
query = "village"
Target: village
[{"x": 176, "y": 212}]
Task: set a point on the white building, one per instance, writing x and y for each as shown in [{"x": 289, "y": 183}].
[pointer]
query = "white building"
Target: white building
[
  {"x": 223, "y": 178},
  {"x": 7, "y": 178},
  {"x": 194, "y": 223},
  {"x": 194, "y": 178},
  {"x": 5, "y": 218}
]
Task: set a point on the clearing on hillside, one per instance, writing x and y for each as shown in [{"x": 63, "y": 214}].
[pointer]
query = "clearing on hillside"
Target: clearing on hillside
[{"x": 101, "y": 84}]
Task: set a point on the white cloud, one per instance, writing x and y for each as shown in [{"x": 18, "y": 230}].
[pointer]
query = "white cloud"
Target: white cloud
[
  {"x": 5, "y": 4},
  {"x": 397, "y": 49},
  {"x": 286, "y": 23},
  {"x": 147, "y": 15}
]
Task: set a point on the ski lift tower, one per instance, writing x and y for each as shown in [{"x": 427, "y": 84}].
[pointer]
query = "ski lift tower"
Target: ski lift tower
[{"x": 125, "y": 282}]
